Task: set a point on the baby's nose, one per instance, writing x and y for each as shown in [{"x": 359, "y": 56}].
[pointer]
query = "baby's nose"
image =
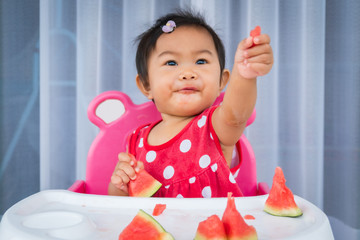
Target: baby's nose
[{"x": 187, "y": 75}]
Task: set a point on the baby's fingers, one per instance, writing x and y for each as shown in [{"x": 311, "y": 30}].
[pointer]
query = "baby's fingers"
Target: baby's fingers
[
  {"x": 260, "y": 69},
  {"x": 126, "y": 171},
  {"x": 117, "y": 181},
  {"x": 262, "y": 58},
  {"x": 245, "y": 44},
  {"x": 122, "y": 175},
  {"x": 125, "y": 157},
  {"x": 242, "y": 48},
  {"x": 139, "y": 166},
  {"x": 261, "y": 39}
]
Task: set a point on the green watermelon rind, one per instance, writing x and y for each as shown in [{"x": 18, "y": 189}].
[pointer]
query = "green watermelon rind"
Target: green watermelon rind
[
  {"x": 200, "y": 236},
  {"x": 148, "y": 192},
  {"x": 156, "y": 224},
  {"x": 151, "y": 185},
  {"x": 293, "y": 212}
]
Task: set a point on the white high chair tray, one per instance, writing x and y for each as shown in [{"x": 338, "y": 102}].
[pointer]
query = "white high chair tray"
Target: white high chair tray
[{"x": 61, "y": 214}]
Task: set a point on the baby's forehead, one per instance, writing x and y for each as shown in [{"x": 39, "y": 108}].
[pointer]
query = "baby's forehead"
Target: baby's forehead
[
  {"x": 187, "y": 29},
  {"x": 189, "y": 36}
]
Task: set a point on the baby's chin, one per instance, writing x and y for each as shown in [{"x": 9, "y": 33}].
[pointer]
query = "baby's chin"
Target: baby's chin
[
  {"x": 189, "y": 111},
  {"x": 193, "y": 102},
  {"x": 182, "y": 105}
]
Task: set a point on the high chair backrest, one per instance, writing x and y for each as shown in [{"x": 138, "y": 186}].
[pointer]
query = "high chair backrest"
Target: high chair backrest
[{"x": 117, "y": 116}]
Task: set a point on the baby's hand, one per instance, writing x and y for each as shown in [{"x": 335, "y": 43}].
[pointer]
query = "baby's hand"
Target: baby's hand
[
  {"x": 125, "y": 170},
  {"x": 254, "y": 56}
]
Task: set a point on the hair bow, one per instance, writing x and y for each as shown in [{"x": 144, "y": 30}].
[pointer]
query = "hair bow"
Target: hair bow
[{"x": 169, "y": 27}]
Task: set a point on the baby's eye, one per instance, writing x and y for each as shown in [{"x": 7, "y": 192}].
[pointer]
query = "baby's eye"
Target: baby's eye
[
  {"x": 171, "y": 63},
  {"x": 201, "y": 61}
]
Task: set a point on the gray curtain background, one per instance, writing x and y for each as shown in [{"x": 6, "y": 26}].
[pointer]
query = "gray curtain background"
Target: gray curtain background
[{"x": 57, "y": 55}]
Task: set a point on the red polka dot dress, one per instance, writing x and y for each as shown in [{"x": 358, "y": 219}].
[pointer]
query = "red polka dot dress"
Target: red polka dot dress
[{"x": 190, "y": 165}]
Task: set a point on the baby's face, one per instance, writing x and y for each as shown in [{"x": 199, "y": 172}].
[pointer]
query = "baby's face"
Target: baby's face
[{"x": 184, "y": 72}]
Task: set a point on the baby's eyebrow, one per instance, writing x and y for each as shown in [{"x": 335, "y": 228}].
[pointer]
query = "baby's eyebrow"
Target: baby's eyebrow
[
  {"x": 202, "y": 51},
  {"x": 206, "y": 51},
  {"x": 167, "y": 53}
]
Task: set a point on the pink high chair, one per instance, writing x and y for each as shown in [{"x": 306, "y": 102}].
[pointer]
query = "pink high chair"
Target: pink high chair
[{"x": 117, "y": 116}]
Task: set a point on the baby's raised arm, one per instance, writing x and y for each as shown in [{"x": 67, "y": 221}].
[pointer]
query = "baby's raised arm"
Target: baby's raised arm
[{"x": 253, "y": 58}]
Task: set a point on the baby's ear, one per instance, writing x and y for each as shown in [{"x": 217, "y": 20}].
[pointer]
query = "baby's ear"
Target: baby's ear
[
  {"x": 145, "y": 90},
  {"x": 225, "y": 76}
]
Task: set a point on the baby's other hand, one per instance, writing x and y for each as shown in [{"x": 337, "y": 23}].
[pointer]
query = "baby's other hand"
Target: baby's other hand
[
  {"x": 254, "y": 56},
  {"x": 125, "y": 170}
]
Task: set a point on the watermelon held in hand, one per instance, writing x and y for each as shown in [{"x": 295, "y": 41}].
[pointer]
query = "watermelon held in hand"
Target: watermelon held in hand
[
  {"x": 235, "y": 226},
  {"x": 211, "y": 229},
  {"x": 143, "y": 226},
  {"x": 144, "y": 185},
  {"x": 280, "y": 201},
  {"x": 255, "y": 32}
]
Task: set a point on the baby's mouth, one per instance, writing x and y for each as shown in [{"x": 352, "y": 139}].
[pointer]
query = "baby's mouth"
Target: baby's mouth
[{"x": 188, "y": 90}]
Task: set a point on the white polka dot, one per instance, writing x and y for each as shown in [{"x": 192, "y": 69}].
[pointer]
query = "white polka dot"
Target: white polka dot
[
  {"x": 168, "y": 172},
  {"x": 185, "y": 145},
  {"x": 204, "y": 161},
  {"x": 231, "y": 178},
  {"x": 167, "y": 186},
  {"x": 201, "y": 121},
  {"x": 192, "y": 180},
  {"x": 236, "y": 173},
  {"x": 179, "y": 196},
  {"x": 211, "y": 136},
  {"x": 141, "y": 142},
  {"x": 206, "y": 192},
  {"x": 150, "y": 156},
  {"x": 214, "y": 167}
]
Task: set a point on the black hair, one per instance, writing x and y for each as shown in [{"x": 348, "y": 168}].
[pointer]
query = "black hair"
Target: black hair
[{"x": 147, "y": 40}]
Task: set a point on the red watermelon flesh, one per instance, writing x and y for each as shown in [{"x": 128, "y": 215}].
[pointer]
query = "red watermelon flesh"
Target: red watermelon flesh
[
  {"x": 255, "y": 32},
  {"x": 235, "y": 226},
  {"x": 143, "y": 226},
  {"x": 211, "y": 229},
  {"x": 249, "y": 217},
  {"x": 144, "y": 185},
  {"x": 280, "y": 201},
  {"x": 158, "y": 209}
]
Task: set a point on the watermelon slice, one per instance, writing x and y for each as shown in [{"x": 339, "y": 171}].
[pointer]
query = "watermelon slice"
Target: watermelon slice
[
  {"x": 143, "y": 226},
  {"x": 255, "y": 32},
  {"x": 249, "y": 217},
  {"x": 158, "y": 209},
  {"x": 211, "y": 229},
  {"x": 144, "y": 185},
  {"x": 234, "y": 224},
  {"x": 280, "y": 201}
]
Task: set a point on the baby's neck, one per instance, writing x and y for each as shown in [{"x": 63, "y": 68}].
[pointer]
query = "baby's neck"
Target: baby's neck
[{"x": 167, "y": 129}]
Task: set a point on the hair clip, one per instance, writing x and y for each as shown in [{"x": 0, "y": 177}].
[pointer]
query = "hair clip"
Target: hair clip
[{"x": 169, "y": 27}]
